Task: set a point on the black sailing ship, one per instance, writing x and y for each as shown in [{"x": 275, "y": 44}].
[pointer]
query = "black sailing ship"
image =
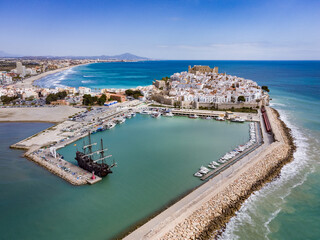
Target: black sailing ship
[{"x": 98, "y": 167}]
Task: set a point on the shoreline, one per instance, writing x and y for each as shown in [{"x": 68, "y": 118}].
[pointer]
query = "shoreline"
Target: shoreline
[
  {"x": 29, "y": 82},
  {"x": 205, "y": 216},
  {"x": 218, "y": 224}
]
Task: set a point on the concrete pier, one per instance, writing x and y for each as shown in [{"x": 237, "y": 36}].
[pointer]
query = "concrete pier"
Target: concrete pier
[
  {"x": 243, "y": 154},
  {"x": 207, "y": 209},
  {"x": 62, "y": 134}
]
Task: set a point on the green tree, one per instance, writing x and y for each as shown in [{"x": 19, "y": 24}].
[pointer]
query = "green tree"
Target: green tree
[
  {"x": 241, "y": 99},
  {"x": 265, "y": 88},
  {"x": 135, "y": 94},
  {"x": 56, "y": 96},
  {"x": 6, "y": 100},
  {"x": 102, "y": 99}
]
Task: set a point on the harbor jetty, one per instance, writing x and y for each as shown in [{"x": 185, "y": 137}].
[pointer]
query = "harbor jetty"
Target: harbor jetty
[
  {"x": 205, "y": 211},
  {"x": 41, "y": 147}
]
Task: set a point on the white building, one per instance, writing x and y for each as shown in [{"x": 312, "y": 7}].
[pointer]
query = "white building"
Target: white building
[
  {"x": 84, "y": 90},
  {"x": 5, "y": 78},
  {"x": 21, "y": 70}
]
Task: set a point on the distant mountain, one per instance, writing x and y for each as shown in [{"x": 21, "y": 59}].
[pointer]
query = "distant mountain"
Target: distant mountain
[
  {"x": 128, "y": 56},
  {"x": 125, "y": 56},
  {"x": 4, "y": 54}
]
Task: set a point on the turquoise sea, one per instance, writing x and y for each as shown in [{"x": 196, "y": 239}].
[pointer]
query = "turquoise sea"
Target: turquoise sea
[
  {"x": 39, "y": 205},
  {"x": 156, "y": 160}
]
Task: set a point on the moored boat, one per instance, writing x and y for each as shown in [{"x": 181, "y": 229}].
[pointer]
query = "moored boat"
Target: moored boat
[
  {"x": 155, "y": 114},
  {"x": 96, "y": 166},
  {"x": 193, "y": 116}
]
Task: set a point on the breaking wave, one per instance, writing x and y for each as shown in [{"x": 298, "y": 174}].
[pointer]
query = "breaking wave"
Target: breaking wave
[
  {"x": 54, "y": 80},
  {"x": 86, "y": 81},
  {"x": 262, "y": 207}
]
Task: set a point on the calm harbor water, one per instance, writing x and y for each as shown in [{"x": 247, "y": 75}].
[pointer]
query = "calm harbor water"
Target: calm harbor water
[
  {"x": 287, "y": 208},
  {"x": 156, "y": 161}
]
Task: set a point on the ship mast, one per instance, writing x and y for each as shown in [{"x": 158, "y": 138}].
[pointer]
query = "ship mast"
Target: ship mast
[
  {"x": 102, "y": 151},
  {"x": 89, "y": 146}
]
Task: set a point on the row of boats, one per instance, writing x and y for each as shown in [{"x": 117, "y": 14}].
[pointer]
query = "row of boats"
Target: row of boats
[
  {"x": 111, "y": 124},
  {"x": 168, "y": 113},
  {"x": 230, "y": 155},
  {"x": 157, "y": 114}
]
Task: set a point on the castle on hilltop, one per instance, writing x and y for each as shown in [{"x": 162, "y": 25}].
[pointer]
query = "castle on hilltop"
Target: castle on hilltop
[{"x": 202, "y": 69}]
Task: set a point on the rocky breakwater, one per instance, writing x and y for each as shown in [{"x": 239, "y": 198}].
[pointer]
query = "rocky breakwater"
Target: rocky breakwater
[{"x": 210, "y": 218}]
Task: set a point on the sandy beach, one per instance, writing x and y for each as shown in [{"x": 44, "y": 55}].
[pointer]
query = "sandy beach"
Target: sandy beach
[
  {"x": 38, "y": 114},
  {"x": 28, "y": 82}
]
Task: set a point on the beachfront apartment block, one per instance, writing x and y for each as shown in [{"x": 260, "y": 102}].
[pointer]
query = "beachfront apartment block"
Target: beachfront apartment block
[{"x": 5, "y": 78}]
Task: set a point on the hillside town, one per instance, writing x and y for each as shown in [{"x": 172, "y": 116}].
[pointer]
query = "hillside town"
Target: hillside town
[
  {"x": 204, "y": 87},
  {"x": 201, "y": 87}
]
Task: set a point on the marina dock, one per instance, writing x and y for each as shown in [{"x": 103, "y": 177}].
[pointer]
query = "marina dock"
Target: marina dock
[
  {"x": 215, "y": 198},
  {"x": 235, "y": 159},
  {"x": 38, "y": 146}
]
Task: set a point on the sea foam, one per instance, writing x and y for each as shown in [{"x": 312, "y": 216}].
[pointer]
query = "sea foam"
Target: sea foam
[{"x": 262, "y": 207}]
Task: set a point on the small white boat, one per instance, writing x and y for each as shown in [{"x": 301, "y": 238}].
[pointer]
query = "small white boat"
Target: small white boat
[
  {"x": 220, "y": 119},
  {"x": 237, "y": 119},
  {"x": 208, "y": 118},
  {"x": 204, "y": 170},
  {"x": 215, "y": 164},
  {"x": 145, "y": 112},
  {"x": 212, "y": 166},
  {"x": 110, "y": 125},
  {"x": 155, "y": 114},
  {"x": 168, "y": 114},
  {"x": 193, "y": 116},
  {"x": 197, "y": 174},
  {"x": 221, "y": 160},
  {"x": 120, "y": 120}
]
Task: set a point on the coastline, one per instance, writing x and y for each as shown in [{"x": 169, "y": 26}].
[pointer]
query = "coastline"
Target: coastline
[
  {"x": 205, "y": 214},
  {"x": 29, "y": 82}
]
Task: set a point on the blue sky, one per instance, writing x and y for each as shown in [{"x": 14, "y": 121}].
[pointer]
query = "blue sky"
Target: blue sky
[{"x": 182, "y": 29}]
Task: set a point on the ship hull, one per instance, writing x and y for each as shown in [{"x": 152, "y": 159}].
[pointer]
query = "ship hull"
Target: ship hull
[{"x": 86, "y": 163}]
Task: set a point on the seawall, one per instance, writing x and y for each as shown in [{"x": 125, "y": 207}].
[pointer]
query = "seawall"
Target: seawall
[
  {"x": 204, "y": 213},
  {"x": 211, "y": 217}
]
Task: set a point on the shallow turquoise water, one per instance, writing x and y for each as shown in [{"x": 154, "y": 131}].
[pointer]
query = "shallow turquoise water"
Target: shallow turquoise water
[
  {"x": 287, "y": 208},
  {"x": 156, "y": 161}
]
